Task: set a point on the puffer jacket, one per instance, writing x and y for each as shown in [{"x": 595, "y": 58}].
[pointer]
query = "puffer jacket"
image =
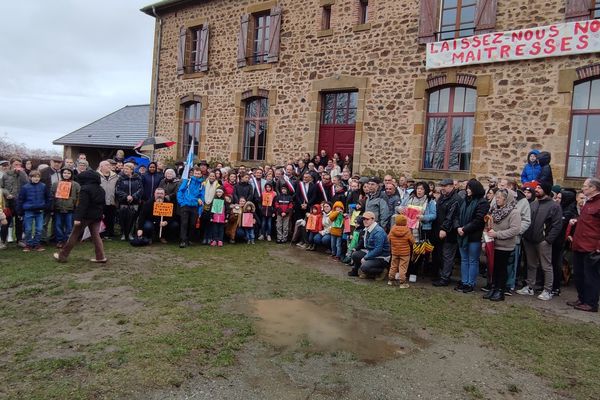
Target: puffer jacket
[
  {"x": 129, "y": 186},
  {"x": 190, "y": 191},
  {"x": 33, "y": 197},
  {"x": 531, "y": 171},
  {"x": 545, "y": 175},
  {"x": 91, "y": 197},
  {"x": 377, "y": 204},
  {"x": 401, "y": 240},
  {"x": 65, "y": 205},
  {"x": 339, "y": 216}
]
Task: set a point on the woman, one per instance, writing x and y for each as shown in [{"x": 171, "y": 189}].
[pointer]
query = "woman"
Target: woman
[
  {"x": 347, "y": 163},
  {"x": 489, "y": 195},
  {"x": 170, "y": 183},
  {"x": 129, "y": 191},
  {"x": 506, "y": 225},
  {"x": 210, "y": 189},
  {"x": 471, "y": 223},
  {"x": 87, "y": 214}
]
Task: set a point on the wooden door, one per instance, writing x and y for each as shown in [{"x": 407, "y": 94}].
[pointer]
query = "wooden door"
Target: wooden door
[{"x": 338, "y": 123}]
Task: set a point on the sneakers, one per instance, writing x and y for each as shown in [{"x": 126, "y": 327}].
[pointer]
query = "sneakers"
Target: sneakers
[
  {"x": 268, "y": 238},
  {"x": 213, "y": 243},
  {"x": 362, "y": 275},
  {"x": 122, "y": 238},
  {"x": 526, "y": 291},
  {"x": 39, "y": 248},
  {"x": 163, "y": 241},
  {"x": 486, "y": 288},
  {"x": 545, "y": 295},
  {"x": 440, "y": 282},
  {"x": 21, "y": 244},
  {"x": 555, "y": 292},
  {"x": 57, "y": 258},
  {"x": 459, "y": 287},
  {"x": 182, "y": 244},
  {"x": 509, "y": 292},
  {"x": 391, "y": 282},
  {"x": 404, "y": 286},
  {"x": 220, "y": 243},
  {"x": 468, "y": 289},
  {"x": 261, "y": 237},
  {"x": 302, "y": 245},
  {"x": 2, "y": 246},
  {"x": 27, "y": 249}
]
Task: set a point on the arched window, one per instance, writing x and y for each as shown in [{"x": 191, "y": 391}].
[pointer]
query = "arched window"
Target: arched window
[
  {"x": 192, "y": 112},
  {"x": 255, "y": 128},
  {"x": 585, "y": 130},
  {"x": 450, "y": 125}
]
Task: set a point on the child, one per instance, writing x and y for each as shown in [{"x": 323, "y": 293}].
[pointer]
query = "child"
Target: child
[
  {"x": 63, "y": 206},
  {"x": 401, "y": 241},
  {"x": 337, "y": 229},
  {"x": 218, "y": 218},
  {"x": 268, "y": 212},
  {"x": 249, "y": 215},
  {"x": 284, "y": 208},
  {"x": 314, "y": 224},
  {"x": 323, "y": 237},
  {"x": 34, "y": 198},
  {"x": 532, "y": 168},
  {"x": 233, "y": 228}
]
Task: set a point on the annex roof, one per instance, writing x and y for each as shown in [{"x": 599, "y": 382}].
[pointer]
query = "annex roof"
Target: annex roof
[
  {"x": 123, "y": 128},
  {"x": 163, "y": 5}
]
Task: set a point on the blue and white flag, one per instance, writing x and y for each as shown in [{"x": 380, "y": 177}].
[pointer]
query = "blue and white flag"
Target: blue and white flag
[{"x": 188, "y": 162}]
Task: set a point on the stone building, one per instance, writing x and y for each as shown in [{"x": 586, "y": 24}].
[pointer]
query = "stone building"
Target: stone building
[{"x": 266, "y": 81}]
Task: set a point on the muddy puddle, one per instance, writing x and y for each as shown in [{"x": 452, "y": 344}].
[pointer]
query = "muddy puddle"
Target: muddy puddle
[{"x": 319, "y": 325}]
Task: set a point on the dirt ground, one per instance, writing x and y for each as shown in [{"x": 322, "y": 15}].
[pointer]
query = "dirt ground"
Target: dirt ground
[{"x": 312, "y": 349}]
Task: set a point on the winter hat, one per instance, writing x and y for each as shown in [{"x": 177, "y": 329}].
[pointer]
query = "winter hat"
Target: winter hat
[
  {"x": 546, "y": 187},
  {"x": 556, "y": 189},
  {"x": 401, "y": 220},
  {"x": 219, "y": 190},
  {"x": 338, "y": 204},
  {"x": 530, "y": 185}
]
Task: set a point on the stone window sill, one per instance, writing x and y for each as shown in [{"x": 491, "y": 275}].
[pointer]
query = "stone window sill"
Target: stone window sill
[
  {"x": 426, "y": 174},
  {"x": 361, "y": 27},
  {"x": 573, "y": 182},
  {"x": 324, "y": 33},
  {"x": 257, "y": 67},
  {"x": 194, "y": 75}
]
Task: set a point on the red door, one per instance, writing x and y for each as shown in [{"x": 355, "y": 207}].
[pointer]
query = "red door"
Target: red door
[{"x": 338, "y": 123}]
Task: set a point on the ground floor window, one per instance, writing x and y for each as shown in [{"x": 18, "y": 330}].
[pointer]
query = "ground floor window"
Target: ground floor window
[
  {"x": 584, "y": 143},
  {"x": 255, "y": 128},
  {"x": 191, "y": 127}
]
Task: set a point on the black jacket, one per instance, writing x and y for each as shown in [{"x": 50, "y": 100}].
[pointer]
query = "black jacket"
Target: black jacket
[
  {"x": 545, "y": 175},
  {"x": 546, "y": 221},
  {"x": 91, "y": 197},
  {"x": 448, "y": 209},
  {"x": 129, "y": 186},
  {"x": 245, "y": 190}
]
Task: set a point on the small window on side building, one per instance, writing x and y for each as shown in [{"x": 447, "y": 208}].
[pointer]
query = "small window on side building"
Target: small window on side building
[
  {"x": 326, "y": 17},
  {"x": 363, "y": 11}
]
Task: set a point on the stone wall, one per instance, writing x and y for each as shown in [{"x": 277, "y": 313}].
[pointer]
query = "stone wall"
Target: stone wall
[{"x": 521, "y": 105}]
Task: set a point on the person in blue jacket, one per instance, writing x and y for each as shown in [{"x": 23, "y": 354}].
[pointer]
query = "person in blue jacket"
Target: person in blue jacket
[
  {"x": 374, "y": 260},
  {"x": 34, "y": 199},
  {"x": 532, "y": 168},
  {"x": 190, "y": 198}
]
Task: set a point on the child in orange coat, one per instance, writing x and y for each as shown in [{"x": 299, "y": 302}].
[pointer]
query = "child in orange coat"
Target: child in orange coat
[{"x": 401, "y": 241}]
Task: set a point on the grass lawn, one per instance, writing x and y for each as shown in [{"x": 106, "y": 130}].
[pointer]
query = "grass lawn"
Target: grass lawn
[{"x": 155, "y": 317}]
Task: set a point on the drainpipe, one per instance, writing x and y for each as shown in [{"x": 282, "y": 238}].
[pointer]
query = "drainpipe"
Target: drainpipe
[{"x": 157, "y": 72}]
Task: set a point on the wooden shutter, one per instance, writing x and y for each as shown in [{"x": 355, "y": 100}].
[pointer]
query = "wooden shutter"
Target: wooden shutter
[
  {"x": 274, "y": 34},
  {"x": 428, "y": 21},
  {"x": 243, "y": 41},
  {"x": 485, "y": 16},
  {"x": 181, "y": 51},
  {"x": 578, "y": 10},
  {"x": 202, "y": 54}
]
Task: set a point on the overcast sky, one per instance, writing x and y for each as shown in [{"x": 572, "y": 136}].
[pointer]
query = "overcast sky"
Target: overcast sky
[{"x": 66, "y": 63}]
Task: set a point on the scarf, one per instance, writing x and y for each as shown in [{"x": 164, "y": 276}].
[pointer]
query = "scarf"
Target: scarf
[
  {"x": 419, "y": 202},
  {"x": 498, "y": 214},
  {"x": 209, "y": 191}
]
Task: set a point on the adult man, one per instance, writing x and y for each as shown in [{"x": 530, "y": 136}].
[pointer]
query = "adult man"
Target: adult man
[
  {"x": 403, "y": 189},
  {"x": 325, "y": 189},
  {"x": 203, "y": 164},
  {"x": 108, "y": 182},
  {"x": 11, "y": 183},
  {"x": 377, "y": 203},
  {"x": 393, "y": 199},
  {"x": 82, "y": 165},
  {"x": 128, "y": 192},
  {"x": 4, "y": 165},
  {"x": 190, "y": 198},
  {"x": 69, "y": 164},
  {"x": 546, "y": 225},
  {"x": 258, "y": 183},
  {"x": 513, "y": 260},
  {"x": 586, "y": 249},
  {"x": 286, "y": 179},
  {"x": 306, "y": 196},
  {"x": 149, "y": 225},
  {"x": 448, "y": 208},
  {"x": 375, "y": 260},
  {"x": 50, "y": 176}
]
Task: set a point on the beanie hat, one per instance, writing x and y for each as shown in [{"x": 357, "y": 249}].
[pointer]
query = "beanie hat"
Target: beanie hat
[
  {"x": 401, "y": 220},
  {"x": 556, "y": 189},
  {"x": 219, "y": 190},
  {"x": 546, "y": 187}
]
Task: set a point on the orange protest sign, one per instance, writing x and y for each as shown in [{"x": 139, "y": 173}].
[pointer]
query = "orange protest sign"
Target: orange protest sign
[
  {"x": 267, "y": 199},
  {"x": 163, "y": 210},
  {"x": 63, "y": 190}
]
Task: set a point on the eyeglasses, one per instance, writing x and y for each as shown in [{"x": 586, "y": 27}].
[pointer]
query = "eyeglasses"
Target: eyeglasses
[{"x": 366, "y": 218}]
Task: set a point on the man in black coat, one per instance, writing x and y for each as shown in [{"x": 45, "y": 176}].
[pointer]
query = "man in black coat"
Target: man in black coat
[
  {"x": 149, "y": 225},
  {"x": 306, "y": 196},
  {"x": 448, "y": 208}
]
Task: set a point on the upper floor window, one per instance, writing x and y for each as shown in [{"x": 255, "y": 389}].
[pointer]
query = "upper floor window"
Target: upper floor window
[
  {"x": 326, "y": 17},
  {"x": 192, "y": 112},
  {"x": 584, "y": 144},
  {"x": 255, "y": 128},
  {"x": 339, "y": 108},
  {"x": 450, "y": 123},
  {"x": 193, "y": 49},
  {"x": 596, "y": 9},
  {"x": 363, "y": 11},
  {"x": 457, "y": 19},
  {"x": 259, "y": 37},
  {"x": 581, "y": 10}
]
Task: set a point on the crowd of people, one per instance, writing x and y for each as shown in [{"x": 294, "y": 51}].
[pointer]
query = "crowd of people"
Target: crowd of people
[{"x": 527, "y": 237}]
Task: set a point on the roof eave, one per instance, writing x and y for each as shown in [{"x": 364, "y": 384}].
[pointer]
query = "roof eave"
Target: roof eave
[{"x": 163, "y": 5}]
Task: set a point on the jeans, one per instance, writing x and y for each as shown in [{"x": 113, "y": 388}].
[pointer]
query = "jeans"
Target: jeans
[
  {"x": 469, "y": 262},
  {"x": 336, "y": 246},
  {"x": 513, "y": 264},
  {"x": 32, "y": 239},
  {"x": 311, "y": 238},
  {"x": 63, "y": 225},
  {"x": 249, "y": 232},
  {"x": 265, "y": 227}
]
